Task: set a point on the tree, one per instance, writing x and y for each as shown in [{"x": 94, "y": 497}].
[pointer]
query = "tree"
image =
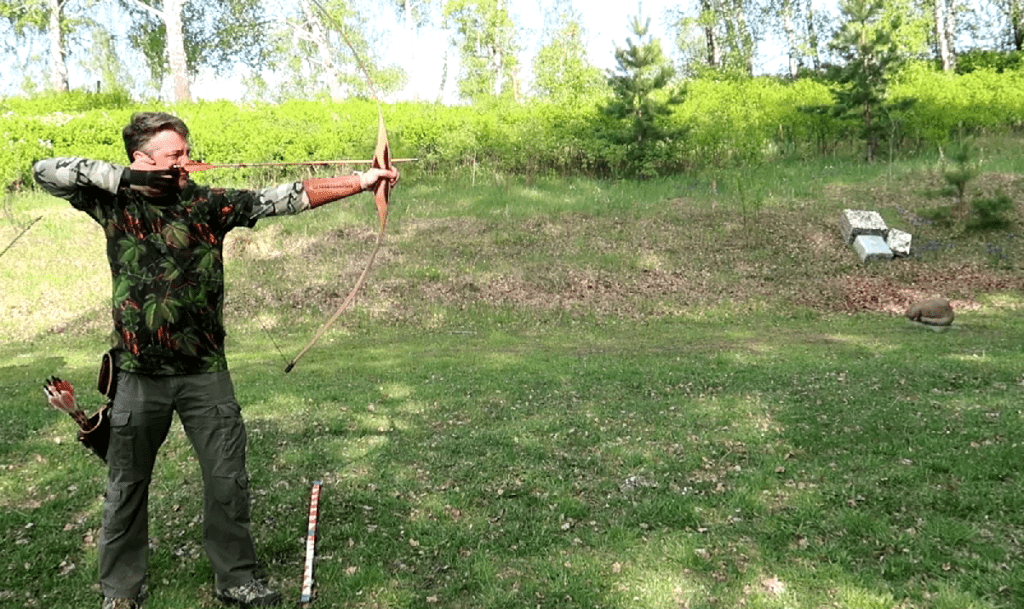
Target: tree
[
  {"x": 44, "y": 17},
  {"x": 184, "y": 36},
  {"x": 310, "y": 57},
  {"x": 561, "y": 70},
  {"x": 414, "y": 13},
  {"x": 945, "y": 28},
  {"x": 865, "y": 40},
  {"x": 1015, "y": 19},
  {"x": 105, "y": 65},
  {"x": 728, "y": 41},
  {"x": 484, "y": 34},
  {"x": 642, "y": 98},
  {"x": 798, "y": 22}
]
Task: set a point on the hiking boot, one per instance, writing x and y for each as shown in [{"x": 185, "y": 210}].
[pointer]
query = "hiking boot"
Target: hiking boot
[
  {"x": 256, "y": 593},
  {"x": 128, "y": 603}
]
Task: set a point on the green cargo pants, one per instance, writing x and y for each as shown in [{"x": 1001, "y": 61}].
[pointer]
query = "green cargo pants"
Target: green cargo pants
[{"x": 139, "y": 421}]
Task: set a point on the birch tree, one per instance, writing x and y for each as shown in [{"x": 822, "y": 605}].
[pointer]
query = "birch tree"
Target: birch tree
[
  {"x": 179, "y": 37},
  {"x": 798, "y": 22},
  {"x": 944, "y": 33},
  {"x": 729, "y": 40},
  {"x": 1015, "y": 20},
  {"x": 315, "y": 55},
  {"x": 415, "y": 14},
  {"x": 561, "y": 69},
  {"x": 51, "y": 19},
  {"x": 484, "y": 34}
]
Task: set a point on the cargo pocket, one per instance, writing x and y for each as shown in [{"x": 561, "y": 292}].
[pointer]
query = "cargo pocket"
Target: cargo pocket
[
  {"x": 231, "y": 441},
  {"x": 122, "y": 442},
  {"x": 232, "y": 493}
]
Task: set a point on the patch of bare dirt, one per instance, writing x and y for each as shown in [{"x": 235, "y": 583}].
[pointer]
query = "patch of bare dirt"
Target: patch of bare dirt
[{"x": 684, "y": 258}]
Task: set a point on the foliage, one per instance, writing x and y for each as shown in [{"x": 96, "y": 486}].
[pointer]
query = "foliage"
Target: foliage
[
  {"x": 485, "y": 36},
  {"x": 24, "y": 16},
  {"x": 867, "y": 44},
  {"x": 992, "y": 212},
  {"x": 87, "y": 123},
  {"x": 561, "y": 69},
  {"x": 218, "y": 33},
  {"x": 642, "y": 100},
  {"x": 965, "y": 167},
  {"x": 983, "y": 101},
  {"x": 312, "y": 59},
  {"x": 727, "y": 123},
  {"x": 986, "y": 59},
  {"x": 730, "y": 122}
]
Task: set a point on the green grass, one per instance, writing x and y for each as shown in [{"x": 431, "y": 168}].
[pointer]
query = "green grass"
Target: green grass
[{"x": 564, "y": 394}]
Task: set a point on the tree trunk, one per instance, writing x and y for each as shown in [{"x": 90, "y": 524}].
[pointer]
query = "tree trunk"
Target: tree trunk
[
  {"x": 58, "y": 67},
  {"x": 942, "y": 41},
  {"x": 444, "y": 78},
  {"x": 791, "y": 41},
  {"x": 744, "y": 41},
  {"x": 176, "y": 58},
  {"x": 950, "y": 32},
  {"x": 1017, "y": 24},
  {"x": 812, "y": 37},
  {"x": 714, "y": 52}
]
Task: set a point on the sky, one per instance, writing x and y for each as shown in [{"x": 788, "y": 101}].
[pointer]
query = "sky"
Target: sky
[{"x": 606, "y": 25}]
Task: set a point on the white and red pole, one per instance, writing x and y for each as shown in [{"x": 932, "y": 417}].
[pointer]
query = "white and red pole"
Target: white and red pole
[{"x": 307, "y": 571}]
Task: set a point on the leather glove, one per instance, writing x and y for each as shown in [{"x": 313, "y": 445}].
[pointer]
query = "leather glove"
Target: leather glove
[{"x": 161, "y": 180}]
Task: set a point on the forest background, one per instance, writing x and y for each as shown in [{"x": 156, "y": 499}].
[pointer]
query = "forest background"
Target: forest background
[{"x": 868, "y": 78}]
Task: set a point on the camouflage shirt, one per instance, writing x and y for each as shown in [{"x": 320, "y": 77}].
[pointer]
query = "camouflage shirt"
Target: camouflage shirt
[{"x": 166, "y": 259}]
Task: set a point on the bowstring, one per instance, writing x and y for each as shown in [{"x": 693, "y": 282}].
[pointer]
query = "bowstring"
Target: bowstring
[{"x": 350, "y": 299}]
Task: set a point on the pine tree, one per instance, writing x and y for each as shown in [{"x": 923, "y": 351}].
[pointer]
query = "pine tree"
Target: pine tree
[
  {"x": 866, "y": 42},
  {"x": 642, "y": 98}
]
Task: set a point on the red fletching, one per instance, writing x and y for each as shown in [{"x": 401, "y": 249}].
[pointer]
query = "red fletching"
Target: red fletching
[{"x": 61, "y": 395}]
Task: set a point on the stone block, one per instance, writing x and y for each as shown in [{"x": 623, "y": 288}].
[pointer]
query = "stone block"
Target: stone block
[
  {"x": 899, "y": 242},
  {"x": 853, "y": 223},
  {"x": 871, "y": 247}
]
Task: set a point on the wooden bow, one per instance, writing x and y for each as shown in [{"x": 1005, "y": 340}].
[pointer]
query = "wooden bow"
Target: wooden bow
[{"x": 381, "y": 195}]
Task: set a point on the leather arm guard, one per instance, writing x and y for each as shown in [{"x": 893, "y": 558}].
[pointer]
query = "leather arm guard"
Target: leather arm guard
[{"x": 325, "y": 190}]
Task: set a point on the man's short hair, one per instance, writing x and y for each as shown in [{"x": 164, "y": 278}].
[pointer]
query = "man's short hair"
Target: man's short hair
[{"x": 145, "y": 125}]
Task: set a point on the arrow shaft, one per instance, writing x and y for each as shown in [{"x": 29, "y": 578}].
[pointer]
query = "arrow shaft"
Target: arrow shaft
[{"x": 195, "y": 167}]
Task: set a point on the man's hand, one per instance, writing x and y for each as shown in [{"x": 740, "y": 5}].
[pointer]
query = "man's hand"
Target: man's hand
[
  {"x": 151, "y": 183},
  {"x": 369, "y": 178}
]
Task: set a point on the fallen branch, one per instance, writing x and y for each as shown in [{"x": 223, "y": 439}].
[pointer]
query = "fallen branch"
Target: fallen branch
[{"x": 23, "y": 231}]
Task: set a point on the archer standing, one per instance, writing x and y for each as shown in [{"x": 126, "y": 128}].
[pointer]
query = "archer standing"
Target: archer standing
[{"x": 165, "y": 236}]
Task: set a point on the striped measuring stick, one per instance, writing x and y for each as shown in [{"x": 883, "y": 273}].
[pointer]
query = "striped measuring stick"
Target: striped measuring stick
[{"x": 307, "y": 571}]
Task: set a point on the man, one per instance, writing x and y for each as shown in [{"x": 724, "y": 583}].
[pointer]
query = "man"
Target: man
[{"x": 164, "y": 243}]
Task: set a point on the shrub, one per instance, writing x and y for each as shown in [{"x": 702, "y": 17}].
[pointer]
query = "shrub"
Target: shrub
[{"x": 991, "y": 213}]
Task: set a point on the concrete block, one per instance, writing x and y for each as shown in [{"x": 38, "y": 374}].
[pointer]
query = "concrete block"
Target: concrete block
[
  {"x": 871, "y": 247},
  {"x": 899, "y": 242},
  {"x": 853, "y": 223}
]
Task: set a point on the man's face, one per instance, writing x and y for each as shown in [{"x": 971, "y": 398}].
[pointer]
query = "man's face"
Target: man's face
[{"x": 165, "y": 150}]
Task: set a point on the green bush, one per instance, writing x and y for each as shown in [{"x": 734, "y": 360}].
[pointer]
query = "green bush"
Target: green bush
[
  {"x": 981, "y": 102},
  {"x": 992, "y": 212},
  {"x": 722, "y": 122},
  {"x": 984, "y": 59}
]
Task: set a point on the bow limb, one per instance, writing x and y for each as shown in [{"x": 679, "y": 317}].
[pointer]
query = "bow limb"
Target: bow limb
[
  {"x": 382, "y": 160},
  {"x": 381, "y": 197}
]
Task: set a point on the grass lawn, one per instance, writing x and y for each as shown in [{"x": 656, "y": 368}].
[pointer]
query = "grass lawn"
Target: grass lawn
[{"x": 567, "y": 394}]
